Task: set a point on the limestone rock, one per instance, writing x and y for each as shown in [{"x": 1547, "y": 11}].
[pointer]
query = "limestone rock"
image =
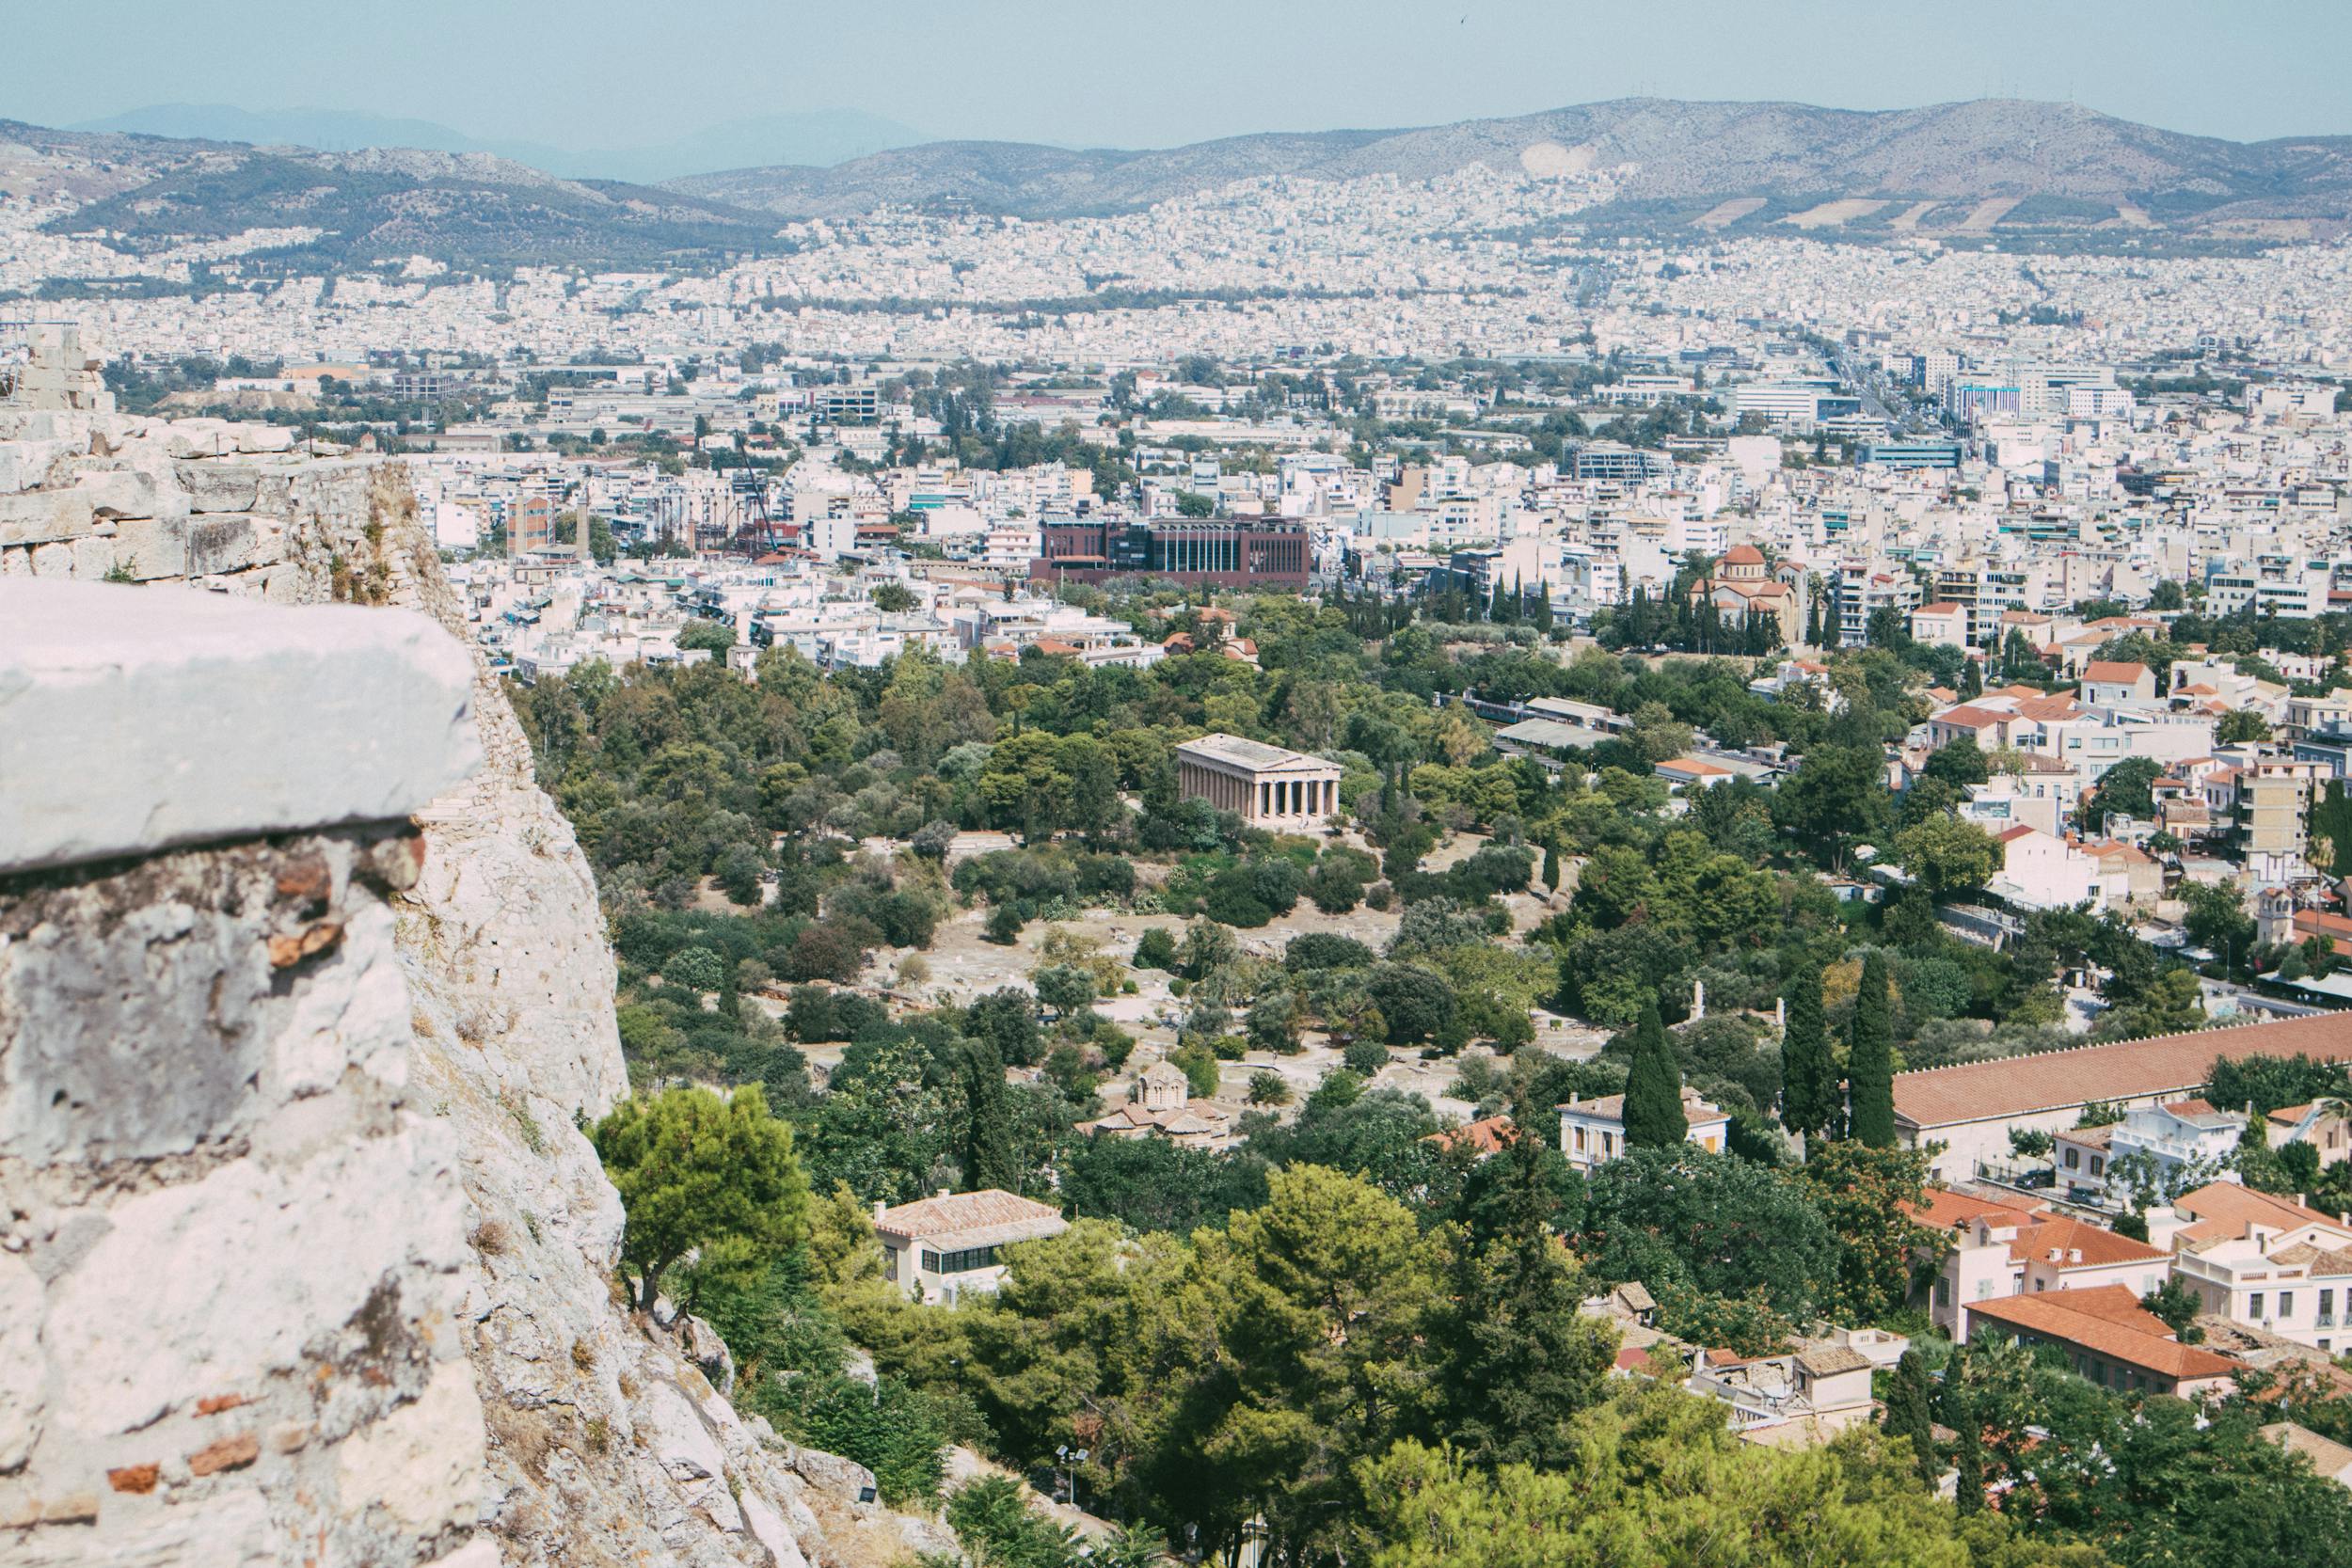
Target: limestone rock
[
  {"x": 845, "y": 1478},
  {"x": 421, "y": 1463},
  {"x": 202, "y": 741}
]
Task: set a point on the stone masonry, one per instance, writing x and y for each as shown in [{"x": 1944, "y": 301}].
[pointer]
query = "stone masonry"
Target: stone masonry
[{"x": 304, "y": 1258}]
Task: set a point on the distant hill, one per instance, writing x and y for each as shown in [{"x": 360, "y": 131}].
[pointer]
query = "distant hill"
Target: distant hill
[
  {"x": 819, "y": 138},
  {"x": 473, "y": 210},
  {"x": 2056, "y": 165},
  {"x": 1987, "y": 171}
]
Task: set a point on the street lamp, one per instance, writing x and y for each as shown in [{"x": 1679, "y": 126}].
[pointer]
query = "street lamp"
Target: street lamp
[{"x": 1071, "y": 1458}]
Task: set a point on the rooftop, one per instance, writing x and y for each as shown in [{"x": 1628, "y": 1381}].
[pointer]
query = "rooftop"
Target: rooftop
[
  {"x": 2106, "y": 1321},
  {"x": 962, "y": 1220},
  {"x": 1248, "y": 754},
  {"x": 2129, "y": 1070}
]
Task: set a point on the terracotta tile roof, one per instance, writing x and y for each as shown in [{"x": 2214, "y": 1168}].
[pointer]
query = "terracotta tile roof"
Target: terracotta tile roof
[
  {"x": 2047, "y": 708},
  {"x": 2223, "y": 1210},
  {"x": 2100, "y": 1249},
  {"x": 2089, "y": 1137},
  {"x": 2108, "y": 1321},
  {"x": 1487, "y": 1134},
  {"x": 2327, "y": 1457},
  {"x": 2109, "y": 671},
  {"x": 2058, "y": 1080},
  {"x": 956, "y": 1221},
  {"x": 1970, "y": 717},
  {"x": 1944, "y": 1209}
]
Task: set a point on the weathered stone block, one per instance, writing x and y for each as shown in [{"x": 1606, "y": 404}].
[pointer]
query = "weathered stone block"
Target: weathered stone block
[
  {"x": 93, "y": 557},
  {"x": 150, "y": 547},
  {"x": 128, "y": 493},
  {"x": 211, "y": 718},
  {"x": 232, "y": 542},
  {"x": 218, "y": 486},
  {"x": 52, "y": 560},
  {"x": 37, "y": 517}
]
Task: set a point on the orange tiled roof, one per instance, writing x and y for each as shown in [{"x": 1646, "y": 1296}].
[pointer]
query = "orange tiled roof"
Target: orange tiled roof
[
  {"x": 976, "y": 1219},
  {"x": 2108, "y": 1320},
  {"x": 2113, "y": 672},
  {"x": 1487, "y": 1134},
  {"x": 2223, "y": 1210},
  {"x": 2099, "y": 1249},
  {"x": 2056, "y": 1079},
  {"x": 1941, "y": 1208}
]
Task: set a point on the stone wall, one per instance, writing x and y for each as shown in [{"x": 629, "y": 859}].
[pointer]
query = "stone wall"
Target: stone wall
[{"x": 304, "y": 1258}]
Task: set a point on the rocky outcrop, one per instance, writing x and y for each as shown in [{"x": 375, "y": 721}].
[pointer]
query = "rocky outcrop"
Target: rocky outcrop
[{"x": 304, "y": 1256}]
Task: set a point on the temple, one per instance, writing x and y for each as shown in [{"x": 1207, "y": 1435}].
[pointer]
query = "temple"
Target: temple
[{"x": 1265, "y": 785}]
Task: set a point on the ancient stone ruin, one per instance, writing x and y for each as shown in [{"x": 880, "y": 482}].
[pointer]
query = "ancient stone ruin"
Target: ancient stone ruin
[{"x": 304, "y": 996}]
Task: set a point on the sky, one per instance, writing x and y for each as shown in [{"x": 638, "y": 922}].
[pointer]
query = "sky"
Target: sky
[{"x": 591, "y": 73}]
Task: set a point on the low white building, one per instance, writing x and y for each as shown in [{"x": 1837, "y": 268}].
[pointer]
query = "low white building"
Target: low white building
[
  {"x": 1592, "y": 1132},
  {"x": 939, "y": 1248}
]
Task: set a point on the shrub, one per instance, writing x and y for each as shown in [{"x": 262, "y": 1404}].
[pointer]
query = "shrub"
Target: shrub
[{"x": 1156, "y": 950}]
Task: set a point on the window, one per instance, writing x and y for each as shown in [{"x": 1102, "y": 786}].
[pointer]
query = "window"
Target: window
[
  {"x": 2074, "y": 1159},
  {"x": 890, "y": 1264},
  {"x": 1608, "y": 1145},
  {"x": 2286, "y": 1304},
  {"x": 961, "y": 1262},
  {"x": 2326, "y": 1306},
  {"x": 1943, "y": 1291},
  {"x": 2098, "y": 1165},
  {"x": 931, "y": 1261},
  {"x": 2254, "y": 1305},
  {"x": 1579, "y": 1140}
]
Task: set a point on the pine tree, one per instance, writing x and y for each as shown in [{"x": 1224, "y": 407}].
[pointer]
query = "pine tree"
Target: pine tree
[
  {"x": 1808, "y": 1078},
  {"x": 1907, "y": 1411},
  {"x": 1870, "y": 1060},
  {"x": 1653, "y": 1088},
  {"x": 989, "y": 1160},
  {"x": 1520, "y": 1361}
]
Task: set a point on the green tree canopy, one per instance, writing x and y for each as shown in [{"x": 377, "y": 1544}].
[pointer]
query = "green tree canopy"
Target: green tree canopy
[{"x": 694, "y": 1171}]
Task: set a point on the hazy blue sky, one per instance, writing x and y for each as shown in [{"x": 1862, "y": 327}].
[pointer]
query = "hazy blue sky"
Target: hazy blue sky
[{"x": 604, "y": 74}]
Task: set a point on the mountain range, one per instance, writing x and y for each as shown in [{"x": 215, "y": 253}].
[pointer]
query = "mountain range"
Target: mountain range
[
  {"x": 815, "y": 138},
  {"x": 1679, "y": 161},
  {"x": 2020, "y": 173}
]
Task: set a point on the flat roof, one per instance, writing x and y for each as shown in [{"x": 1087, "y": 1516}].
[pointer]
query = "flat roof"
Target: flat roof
[{"x": 1250, "y": 753}]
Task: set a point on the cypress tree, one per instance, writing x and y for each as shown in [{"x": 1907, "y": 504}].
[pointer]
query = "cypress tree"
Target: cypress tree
[
  {"x": 1907, "y": 1411},
  {"x": 1808, "y": 1078},
  {"x": 1552, "y": 868},
  {"x": 989, "y": 1160},
  {"x": 1653, "y": 1088},
  {"x": 1958, "y": 1411},
  {"x": 1870, "y": 1062}
]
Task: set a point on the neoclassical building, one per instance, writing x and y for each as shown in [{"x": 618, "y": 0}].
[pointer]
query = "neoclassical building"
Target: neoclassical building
[{"x": 1268, "y": 786}]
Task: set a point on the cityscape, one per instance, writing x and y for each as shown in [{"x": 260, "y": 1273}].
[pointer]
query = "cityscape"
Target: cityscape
[{"x": 1614, "y": 834}]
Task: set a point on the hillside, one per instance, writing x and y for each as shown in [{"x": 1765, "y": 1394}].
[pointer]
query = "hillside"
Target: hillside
[
  {"x": 1988, "y": 170},
  {"x": 1678, "y": 161},
  {"x": 471, "y": 210}
]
